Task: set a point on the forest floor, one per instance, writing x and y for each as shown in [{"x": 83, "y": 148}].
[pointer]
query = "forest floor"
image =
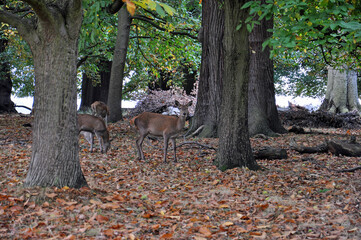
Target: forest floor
[{"x": 301, "y": 197}]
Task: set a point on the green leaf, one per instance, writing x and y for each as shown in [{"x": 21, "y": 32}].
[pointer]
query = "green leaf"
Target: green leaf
[
  {"x": 168, "y": 9},
  {"x": 152, "y": 5},
  {"x": 248, "y": 4},
  {"x": 333, "y": 26},
  {"x": 160, "y": 10}
]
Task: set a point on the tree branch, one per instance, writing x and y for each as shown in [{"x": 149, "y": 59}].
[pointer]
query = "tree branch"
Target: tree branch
[
  {"x": 23, "y": 26},
  {"x": 115, "y": 6},
  {"x": 74, "y": 18},
  {"x": 148, "y": 20},
  {"x": 41, "y": 10},
  {"x": 323, "y": 55}
]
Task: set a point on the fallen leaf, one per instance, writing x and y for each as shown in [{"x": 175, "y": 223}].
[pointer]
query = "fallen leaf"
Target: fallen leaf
[
  {"x": 101, "y": 218},
  {"x": 205, "y": 231}
]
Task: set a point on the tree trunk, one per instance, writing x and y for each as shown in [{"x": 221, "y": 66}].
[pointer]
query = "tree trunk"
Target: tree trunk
[
  {"x": 234, "y": 145},
  {"x": 91, "y": 92},
  {"x": 117, "y": 73},
  {"x": 6, "y": 105},
  {"x": 341, "y": 94},
  {"x": 263, "y": 115},
  {"x": 190, "y": 77},
  {"x": 54, "y": 43},
  {"x": 207, "y": 110}
]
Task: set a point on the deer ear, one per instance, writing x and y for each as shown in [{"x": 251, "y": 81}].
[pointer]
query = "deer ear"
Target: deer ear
[{"x": 177, "y": 103}]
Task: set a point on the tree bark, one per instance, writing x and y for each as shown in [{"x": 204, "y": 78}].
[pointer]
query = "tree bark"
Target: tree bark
[
  {"x": 90, "y": 91},
  {"x": 207, "y": 110},
  {"x": 117, "y": 72},
  {"x": 263, "y": 115},
  {"x": 234, "y": 144},
  {"x": 341, "y": 93},
  {"x": 6, "y": 105},
  {"x": 53, "y": 38}
]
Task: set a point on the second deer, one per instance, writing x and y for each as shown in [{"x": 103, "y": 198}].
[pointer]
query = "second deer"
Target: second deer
[
  {"x": 100, "y": 109},
  {"x": 161, "y": 125},
  {"x": 90, "y": 125}
]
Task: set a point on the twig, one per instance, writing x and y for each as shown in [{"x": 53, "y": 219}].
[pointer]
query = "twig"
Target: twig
[
  {"x": 199, "y": 144},
  {"x": 183, "y": 143},
  {"x": 349, "y": 169},
  {"x": 194, "y": 133},
  {"x": 23, "y": 107}
]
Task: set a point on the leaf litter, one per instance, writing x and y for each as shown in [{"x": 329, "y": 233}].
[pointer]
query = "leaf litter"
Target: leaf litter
[{"x": 190, "y": 199}]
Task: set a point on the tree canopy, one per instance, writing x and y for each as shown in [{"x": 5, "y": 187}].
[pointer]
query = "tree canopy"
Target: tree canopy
[
  {"x": 307, "y": 36},
  {"x": 160, "y": 34}
]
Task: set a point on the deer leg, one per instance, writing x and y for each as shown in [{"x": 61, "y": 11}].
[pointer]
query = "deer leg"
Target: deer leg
[
  {"x": 101, "y": 143},
  {"x": 174, "y": 148},
  {"x": 91, "y": 141},
  {"x": 139, "y": 143},
  {"x": 166, "y": 139},
  {"x": 89, "y": 137}
]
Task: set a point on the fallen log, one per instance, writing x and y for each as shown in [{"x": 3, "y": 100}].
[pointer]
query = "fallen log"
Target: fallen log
[
  {"x": 347, "y": 148},
  {"x": 270, "y": 153},
  {"x": 303, "y": 149}
]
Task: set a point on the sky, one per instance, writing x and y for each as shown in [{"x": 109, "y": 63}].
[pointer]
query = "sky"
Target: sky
[
  {"x": 281, "y": 101},
  {"x": 28, "y": 101}
]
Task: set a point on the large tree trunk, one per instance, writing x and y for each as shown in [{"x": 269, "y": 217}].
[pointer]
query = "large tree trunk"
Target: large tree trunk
[
  {"x": 207, "y": 110},
  {"x": 6, "y": 105},
  {"x": 95, "y": 91},
  {"x": 117, "y": 73},
  {"x": 263, "y": 115},
  {"x": 234, "y": 145},
  {"x": 54, "y": 43},
  {"x": 341, "y": 94}
]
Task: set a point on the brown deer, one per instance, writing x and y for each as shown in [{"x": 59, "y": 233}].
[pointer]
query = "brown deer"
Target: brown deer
[
  {"x": 100, "y": 109},
  {"x": 161, "y": 125},
  {"x": 90, "y": 125}
]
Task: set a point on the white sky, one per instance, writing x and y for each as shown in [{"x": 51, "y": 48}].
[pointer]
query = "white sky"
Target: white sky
[
  {"x": 28, "y": 101},
  {"x": 281, "y": 101}
]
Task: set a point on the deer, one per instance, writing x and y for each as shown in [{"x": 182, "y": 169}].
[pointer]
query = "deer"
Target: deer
[
  {"x": 89, "y": 125},
  {"x": 100, "y": 109},
  {"x": 160, "y": 125}
]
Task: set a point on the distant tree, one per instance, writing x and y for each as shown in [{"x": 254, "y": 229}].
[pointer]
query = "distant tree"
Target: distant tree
[
  {"x": 341, "y": 95},
  {"x": 209, "y": 96},
  {"x": 118, "y": 65},
  {"x": 6, "y": 105},
  {"x": 262, "y": 110},
  {"x": 93, "y": 89}
]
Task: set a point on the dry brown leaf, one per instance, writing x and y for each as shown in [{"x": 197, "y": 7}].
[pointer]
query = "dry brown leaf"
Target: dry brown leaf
[{"x": 205, "y": 231}]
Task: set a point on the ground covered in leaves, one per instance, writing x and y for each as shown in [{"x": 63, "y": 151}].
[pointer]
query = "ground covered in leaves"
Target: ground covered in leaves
[{"x": 296, "y": 198}]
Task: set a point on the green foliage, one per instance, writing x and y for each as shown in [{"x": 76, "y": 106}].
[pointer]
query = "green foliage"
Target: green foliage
[
  {"x": 331, "y": 27},
  {"x": 151, "y": 51},
  {"x": 309, "y": 35},
  {"x": 17, "y": 54},
  {"x": 296, "y": 81},
  {"x": 157, "y": 52}
]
